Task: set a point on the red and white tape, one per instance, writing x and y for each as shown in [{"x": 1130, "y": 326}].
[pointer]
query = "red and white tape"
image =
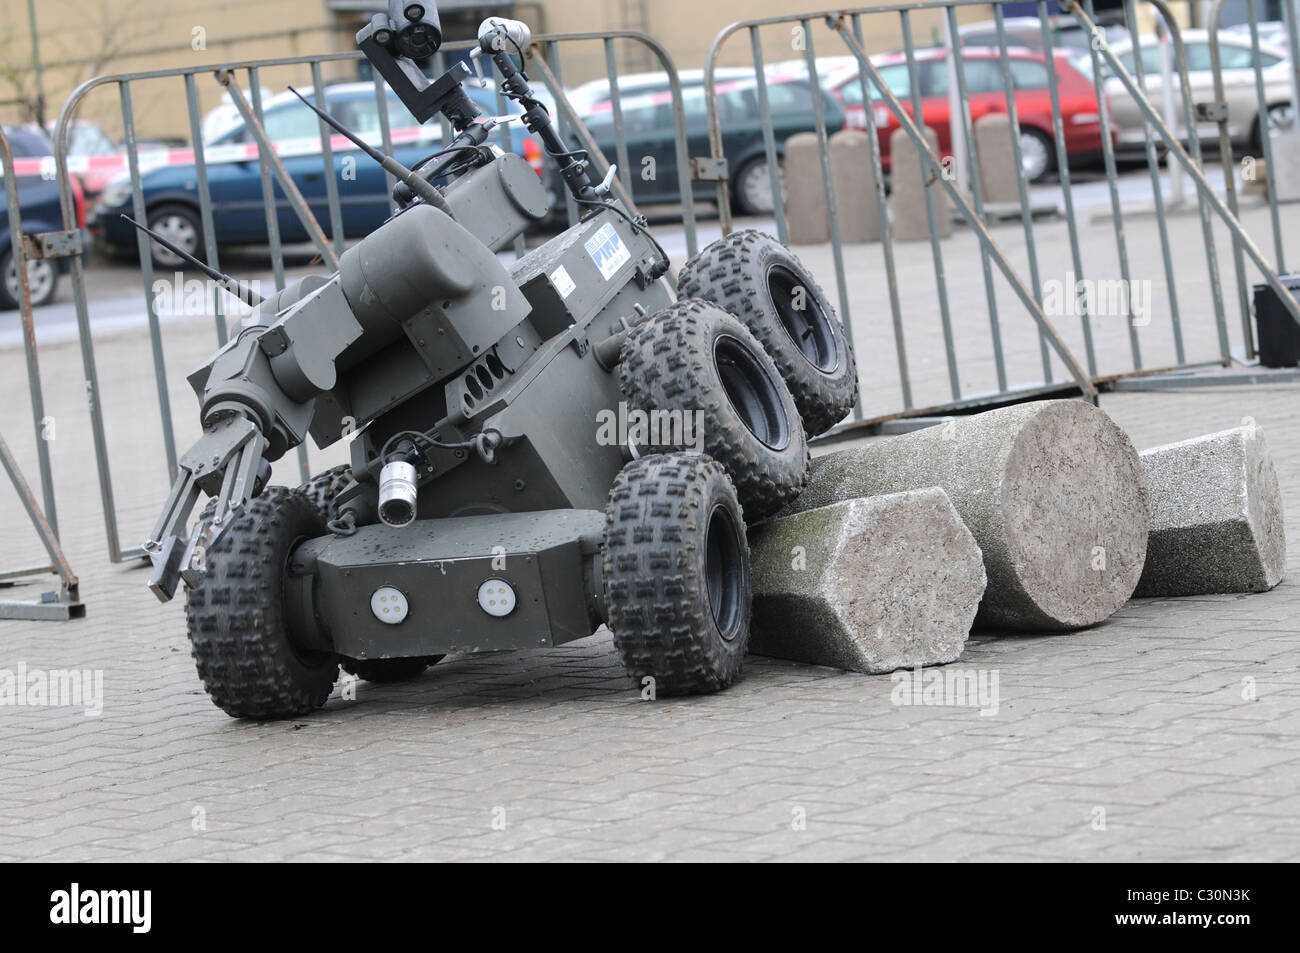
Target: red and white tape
[{"x": 151, "y": 159}]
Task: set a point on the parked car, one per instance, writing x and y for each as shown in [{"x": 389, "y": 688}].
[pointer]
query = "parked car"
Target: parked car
[
  {"x": 985, "y": 95},
  {"x": 1237, "y": 60},
  {"x": 649, "y": 129},
  {"x": 235, "y": 182},
  {"x": 38, "y": 202},
  {"x": 1272, "y": 33},
  {"x": 95, "y": 159}
]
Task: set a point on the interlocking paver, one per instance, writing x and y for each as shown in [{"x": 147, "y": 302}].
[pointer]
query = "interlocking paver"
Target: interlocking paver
[{"x": 1178, "y": 717}]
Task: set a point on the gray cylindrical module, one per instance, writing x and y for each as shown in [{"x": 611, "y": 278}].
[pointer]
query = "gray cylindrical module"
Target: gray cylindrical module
[{"x": 1053, "y": 492}]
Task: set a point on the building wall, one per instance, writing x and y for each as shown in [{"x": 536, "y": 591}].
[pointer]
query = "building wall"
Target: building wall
[{"x": 114, "y": 36}]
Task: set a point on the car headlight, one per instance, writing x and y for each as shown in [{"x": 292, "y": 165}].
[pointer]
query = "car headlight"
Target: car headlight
[{"x": 117, "y": 192}]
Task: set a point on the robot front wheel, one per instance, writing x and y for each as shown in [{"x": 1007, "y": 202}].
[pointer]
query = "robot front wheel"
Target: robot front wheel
[
  {"x": 676, "y": 574},
  {"x": 248, "y": 661}
]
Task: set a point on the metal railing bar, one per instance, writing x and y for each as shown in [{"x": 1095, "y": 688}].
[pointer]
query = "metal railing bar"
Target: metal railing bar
[
  {"x": 1063, "y": 174},
  {"x": 930, "y": 171},
  {"x": 886, "y": 227}
]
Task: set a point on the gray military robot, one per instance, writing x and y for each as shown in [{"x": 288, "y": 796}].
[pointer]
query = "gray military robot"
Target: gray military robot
[{"x": 490, "y": 503}]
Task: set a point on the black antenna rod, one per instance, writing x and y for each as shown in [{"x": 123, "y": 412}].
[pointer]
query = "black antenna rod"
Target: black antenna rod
[
  {"x": 412, "y": 180},
  {"x": 243, "y": 292}
]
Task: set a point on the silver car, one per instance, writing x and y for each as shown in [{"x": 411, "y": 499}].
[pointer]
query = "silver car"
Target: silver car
[{"x": 1236, "y": 58}]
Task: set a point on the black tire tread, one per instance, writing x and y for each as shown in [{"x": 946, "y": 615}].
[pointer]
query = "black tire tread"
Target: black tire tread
[
  {"x": 654, "y": 579},
  {"x": 235, "y": 617},
  {"x": 662, "y": 367},
  {"x": 725, "y": 273},
  {"x": 324, "y": 487}
]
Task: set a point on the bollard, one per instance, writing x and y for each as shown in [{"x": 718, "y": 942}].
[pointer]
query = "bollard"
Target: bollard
[
  {"x": 1284, "y": 180},
  {"x": 868, "y": 585},
  {"x": 1053, "y": 492},
  {"x": 908, "y": 198},
  {"x": 1216, "y": 516},
  {"x": 997, "y": 159},
  {"x": 855, "y": 187},
  {"x": 805, "y": 197}
]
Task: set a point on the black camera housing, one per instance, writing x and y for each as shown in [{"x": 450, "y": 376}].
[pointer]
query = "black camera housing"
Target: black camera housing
[{"x": 393, "y": 41}]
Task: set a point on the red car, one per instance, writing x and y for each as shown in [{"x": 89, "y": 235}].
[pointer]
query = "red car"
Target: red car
[{"x": 986, "y": 95}]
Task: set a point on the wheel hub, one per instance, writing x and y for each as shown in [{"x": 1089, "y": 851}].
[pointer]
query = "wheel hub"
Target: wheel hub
[
  {"x": 754, "y": 395},
  {"x": 808, "y": 326}
]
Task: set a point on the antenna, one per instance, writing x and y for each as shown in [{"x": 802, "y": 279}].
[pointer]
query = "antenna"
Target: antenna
[
  {"x": 241, "y": 291},
  {"x": 412, "y": 180}
]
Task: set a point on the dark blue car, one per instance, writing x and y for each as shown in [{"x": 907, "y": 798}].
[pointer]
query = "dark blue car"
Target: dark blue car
[
  {"x": 235, "y": 175},
  {"x": 38, "y": 203}
]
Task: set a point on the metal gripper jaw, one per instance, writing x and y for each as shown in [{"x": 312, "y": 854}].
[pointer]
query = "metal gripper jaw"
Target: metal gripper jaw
[{"x": 228, "y": 464}]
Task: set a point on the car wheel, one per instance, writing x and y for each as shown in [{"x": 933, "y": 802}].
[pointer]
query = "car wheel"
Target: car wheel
[
  {"x": 1280, "y": 116},
  {"x": 180, "y": 225},
  {"x": 42, "y": 281},
  {"x": 1035, "y": 155},
  {"x": 753, "y": 188}
]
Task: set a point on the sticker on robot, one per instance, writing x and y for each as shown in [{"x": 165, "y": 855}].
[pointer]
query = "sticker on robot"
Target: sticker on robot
[
  {"x": 607, "y": 250},
  {"x": 563, "y": 283}
]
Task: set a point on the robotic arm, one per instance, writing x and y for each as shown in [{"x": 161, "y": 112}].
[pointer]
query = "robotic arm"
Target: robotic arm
[
  {"x": 259, "y": 392},
  {"x": 258, "y": 398}
]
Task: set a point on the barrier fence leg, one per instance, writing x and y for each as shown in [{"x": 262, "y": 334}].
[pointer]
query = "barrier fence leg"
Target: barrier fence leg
[{"x": 61, "y": 605}]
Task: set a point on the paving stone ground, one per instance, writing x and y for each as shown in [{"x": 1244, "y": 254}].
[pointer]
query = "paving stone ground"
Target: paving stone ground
[
  {"x": 1143, "y": 722},
  {"x": 1170, "y": 732}
]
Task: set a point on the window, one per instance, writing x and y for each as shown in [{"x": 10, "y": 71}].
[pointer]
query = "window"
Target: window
[
  {"x": 789, "y": 98},
  {"x": 642, "y": 113},
  {"x": 897, "y": 80},
  {"x": 28, "y": 144},
  {"x": 361, "y": 116},
  {"x": 982, "y": 76},
  {"x": 1028, "y": 74},
  {"x": 1150, "y": 62},
  {"x": 291, "y": 121}
]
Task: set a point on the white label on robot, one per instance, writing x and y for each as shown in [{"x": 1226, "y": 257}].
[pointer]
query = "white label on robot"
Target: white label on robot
[
  {"x": 607, "y": 250},
  {"x": 563, "y": 283}
]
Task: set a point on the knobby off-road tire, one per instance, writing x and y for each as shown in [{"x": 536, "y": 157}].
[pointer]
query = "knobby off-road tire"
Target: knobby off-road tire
[
  {"x": 676, "y": 573},
  {"x": 324, "y": 487},
  {"x": 693, "y": 356},
  {"x": 239, "y": 638},
  {"x": 759, "y": 280},
  {"x": 384, "y": 671}
]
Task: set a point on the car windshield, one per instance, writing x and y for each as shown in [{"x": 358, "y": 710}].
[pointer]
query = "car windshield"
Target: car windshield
[
  {"x": 1231, "y": 56},
  {"x": 652, "y": 111},
  {"x": 292, "y": 120}
]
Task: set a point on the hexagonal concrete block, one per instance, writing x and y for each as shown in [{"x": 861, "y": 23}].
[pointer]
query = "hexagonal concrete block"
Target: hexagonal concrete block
[
  {"x": 868, "y": 585},
  {"x": 1053, "y": 492},
  {"x": 1216, "y": 516}
]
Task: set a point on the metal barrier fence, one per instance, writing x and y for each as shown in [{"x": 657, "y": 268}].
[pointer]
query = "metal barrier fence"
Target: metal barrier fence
[
  {"x": 985, "y": 356},
  {"x": 1104, "y": 359},
  {"x": 66, "y": 602},
  {"x": 328, "y": 239}
]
